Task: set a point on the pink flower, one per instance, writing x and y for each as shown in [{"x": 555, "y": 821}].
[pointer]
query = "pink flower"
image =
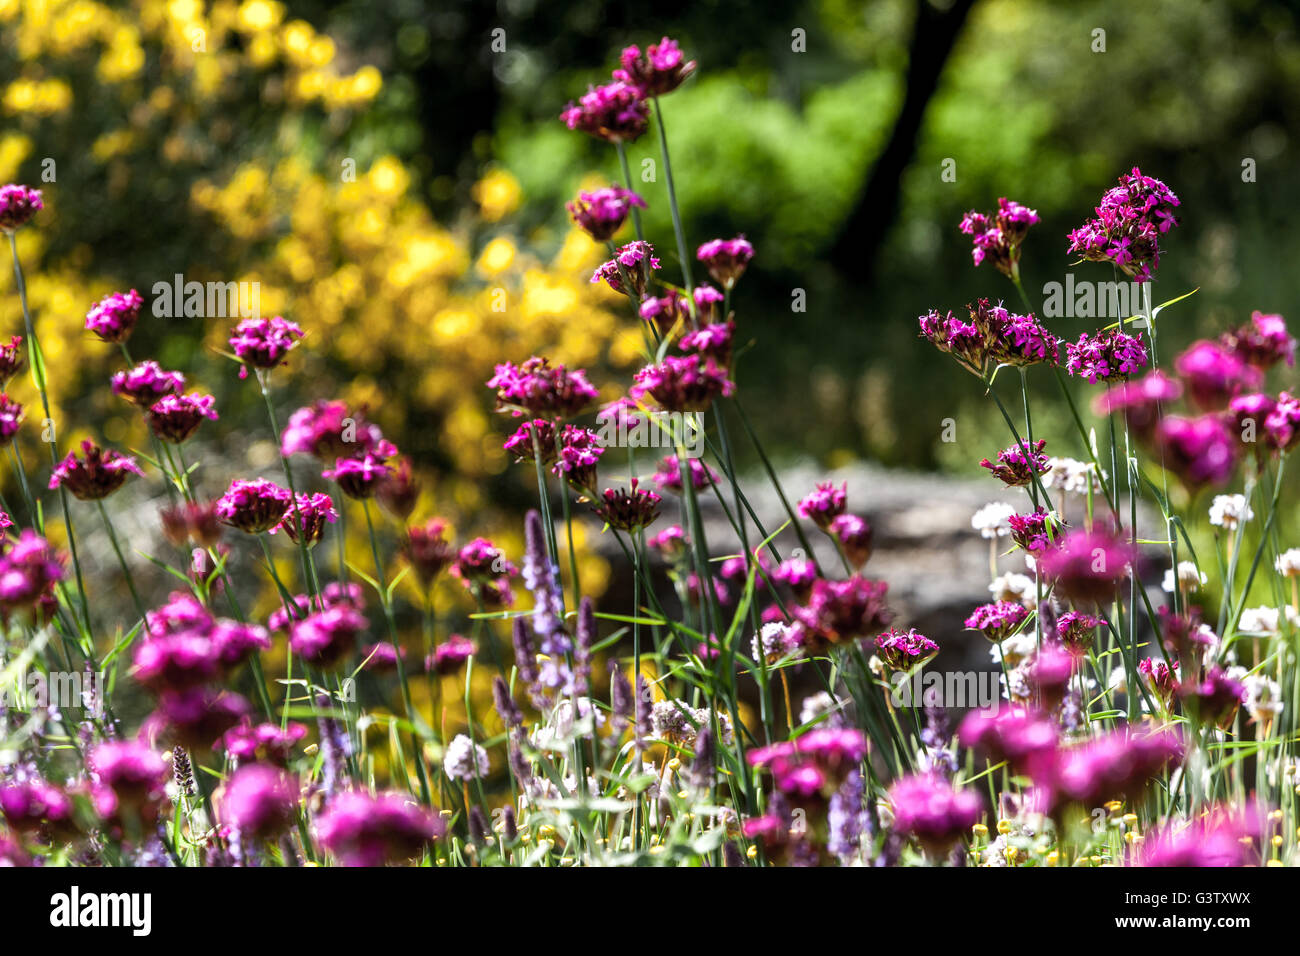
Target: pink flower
[
  {"x": 364, "y": 830},
  {"x": 628, "y": 510},
  {"x": 175, "y": 418},
  {"x": 1214, "y": 374},
  {"x": 11, "y": 417},
  {"x": 306, "y": 519},
  {"x": 18, "y": 204},
  {"x": 928, "y": 808},
  {"x": 659, "y": 70},
  {"x": 1088, "y": 566},
  {"x": 326, "y": 636},
  {"x": 633, "y": 262},
  {"x": 12, "y": 359},
  {"x": 997, "y": 237},
  {"x": 1126, "y": 230},
  {"x": 263, "y": 343},
  {"x": 253, "y": 506},
  {"x": 358, "y": 477},
  {"x": 1202, "y": 451},
  {"x": 602, "y": 213},
  {"x": 824, "y": 503},
  {"x": 259, "y": 800},
  {"x": 145, "y": 384},
  {"x": 543, "y": 390},
  {"x": 328, "y": 430},
  {"x": 683, "y": 384},
  {"x": 616, "y": 112},
  {"x": 97, "y": 475},
  {"x": 113, "y": 318},
  {"x": 726, "y": 259},
  {"x": 1018, "y": 466},
  {"x": 1107, "y": 355}
]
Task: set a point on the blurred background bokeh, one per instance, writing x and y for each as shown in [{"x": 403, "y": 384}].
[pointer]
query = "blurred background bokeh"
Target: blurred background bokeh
[{"x": 384, "y": 168}]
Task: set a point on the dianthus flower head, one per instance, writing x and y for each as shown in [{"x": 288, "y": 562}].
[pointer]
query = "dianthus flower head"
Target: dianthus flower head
[
  {"x": 305, "y": 519},
  {"x": 134, "y": 772},
  {"x": 633, "y": 262},
  {"x": 1223, "y": 837},
  {"x": 852, "y": 534},
  {"x": 616, "y": 112},
  {"x": 1201, "y": 451},
  {"x": 1036, "y": 531},
  {"x": 1263, "y": 343},
  {"x": 18, "y": 204},
  {"x": 11, "y": 417},
  {"x": 113, "y": 317},
  {"x": 328, "y": 430},
  {"x": 263, "y": 343},
  {"x": 326, "y": 636},
  {"x": 30, "y": 568},
  {"x": 450, "y": 654},
  {"x": 259, "y": 800},
  {"x": 726, "y": 259},
  {"x": 1088, "y": 565},
  {"x": 659, "y": 70},
  {"x": 1214, "y": 374},
  {"x": 1139, "y": 401},
  {"x": 668, "y": 474},
  {"x": 578, "y": 452},
  {"x": 602, "y": 213},
  {"x": 711, "y": 342},
  {"x": 1017, "y": 466},
  {"x": 903, "y": 650},
  {"x": 1282, "y": 425},
  {"x": 1128, "y": 224},
  {"x": 837, "y": 612},
  {"x": 253, "y": 506},
  {"x": 1077, "y": 630},
  {"x": 196, "y": 522},
  {"x": 964, "y": 341},
  {"x": 426, "y": 548},
  {"x": 364, "y": 830},
  {"x": 689, "y": 383},
  {"x": 1215, "y": 699},
  {"x": 1024, "y": 738},
  {"x": 359, "y": 478},
  {"x": 999, "y": 620},
  {"x": 96, "y": 475},
  {"x": 925, "y": 806},
  {"x": 1110, "y": 767},
  {"x": 480, "y": 561},
  {"x": 628, "y": 509},
  {"x": 997, "y": 236},
  {"x": 1106, "y": 355},
  {"x": 146, "y": 383},
  {"x": 824, "y": 503},
  {"x": 542, "y": 390},
  {"x": 175, "y": 418},
  {"x": 266, "y": 742},
  {"x": 12, "y": 360}
]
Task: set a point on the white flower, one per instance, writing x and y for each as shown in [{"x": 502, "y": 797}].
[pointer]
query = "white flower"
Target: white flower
[
  {"x": 1227, "y": 511},
  {"x": 1263, "y": 620},
  {"x": 1188, "y": 576},
  {"x": 1071, "y": 476},
  {"x": 1014, "y": 587},
  {"x": 1288, "y": 563},
  {"x": 463, "y": 758},
  {"x": 560, "y": 729},
  {"x": 1015, "y": 648},
  {"x": 1263, "y": 697},
  {"x": 771, "y": 641},
  {"x": 815, "y": 706},
  {"x": 991, "y": 520}
]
